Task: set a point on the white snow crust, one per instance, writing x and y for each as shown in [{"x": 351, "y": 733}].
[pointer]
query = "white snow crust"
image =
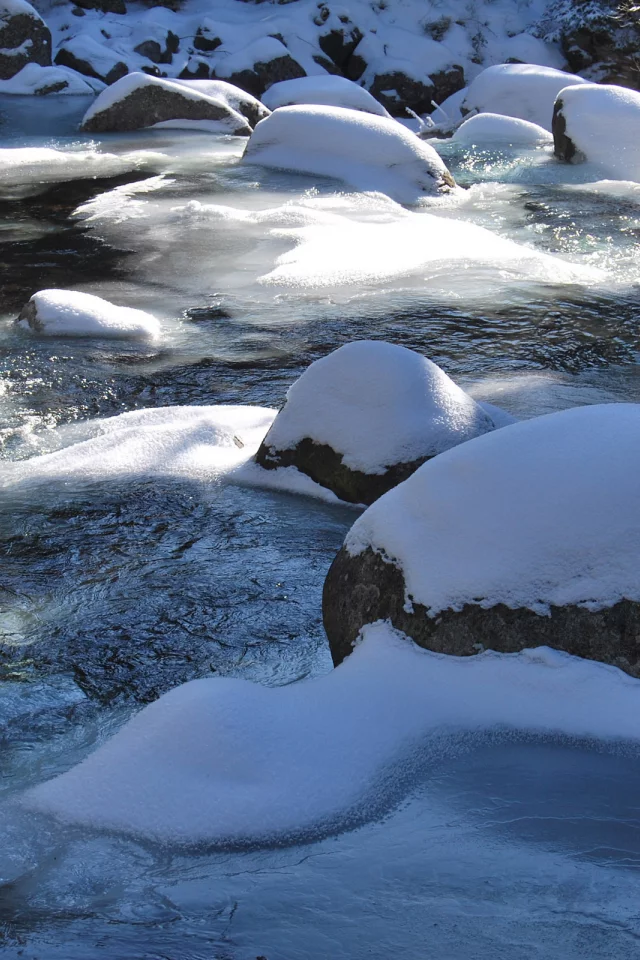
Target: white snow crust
[
  {"x": 188, "y": 89},
  {"x": 193, "y": 442},
  {"x": 330, "y": 91},
  {"x": 366, "y": 151},
  {"x": 493, "y": 128},
  {"x": 603, "y": 121},
  {"x": 525, "y": 91},
  {"x": 68, "y": 313},
  {"x": 545, "y": 512},
  {"x": 224, "y": 759},
  {"x": 377, "y": 404}
]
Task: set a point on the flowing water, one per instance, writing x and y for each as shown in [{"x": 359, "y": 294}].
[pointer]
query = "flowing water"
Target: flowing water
[{"x": 116, "y": 588}]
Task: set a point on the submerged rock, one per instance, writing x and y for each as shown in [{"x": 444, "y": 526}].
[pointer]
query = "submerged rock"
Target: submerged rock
[
  {"x": 526, "y": 537},
  {"x": 24, "y": 38},
  {"x": 139, "y": 101},
  {"x": 364, "y": 418}
]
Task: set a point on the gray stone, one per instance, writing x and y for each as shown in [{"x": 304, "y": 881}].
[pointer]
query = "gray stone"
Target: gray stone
[
  {"x": 264, "y": 75},
  {"x": 363, "y": 588},
  {"x": 563, "y": 146}
]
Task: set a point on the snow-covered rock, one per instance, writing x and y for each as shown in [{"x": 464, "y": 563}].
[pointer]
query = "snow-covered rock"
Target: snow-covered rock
[
  {"x": 92, "y": 59},
  {"x": 258, "y": 66},
  {"x": 403, "y": 69},
  {"x": 524, "y": 91},
  {"x": 525, "y": 48},
  {"x": 222, "y": 759},
  {"x": 523, "y": 537},
  {"x": 67, "y": 313},
  {"x": 42, "y": 81},
  {"x": 330, "y": 91},
  {"x": 364, "y": 418},
  {"x": 24, "y": 38},
  {"x": 139, "y": 100},
  {"x": 494, "y": 128},
  {"x": 368, "y": 152},
  {"x": 601, "y": 124}
]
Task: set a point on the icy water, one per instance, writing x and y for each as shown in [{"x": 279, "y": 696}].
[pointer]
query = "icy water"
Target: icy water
[{"x": 115, "y": 589}]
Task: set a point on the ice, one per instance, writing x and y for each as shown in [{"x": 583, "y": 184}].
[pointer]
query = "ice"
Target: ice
[
  {"x": 546, "y": 512},
  {"x": 332, "y": 91},
  {"x": 602, "y": 123},
  {"x": 520, "y": 90},
  {"x": 26, "y": 166},
  {"x": 368, "y": 152},
  {"x": 67, "y": 313},
  {"x": 377, "y": 404},
  {"x": 485, "y": 129},
  {"x": 220, "y": 760}
]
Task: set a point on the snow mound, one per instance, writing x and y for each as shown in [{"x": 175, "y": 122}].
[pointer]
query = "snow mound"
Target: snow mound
[
  {"x": 529, "y": 49},
  {"x": 67, "y": 313},
  {"x": 366, "y": 151},
  {"x": 521, "y": 90},
  {"x": 330, "y": 91},
  {"x": 377, "y": 404},
  {"x": 193, "y": 442},
  {"x": 602, "y": 123},
  {"x": 494, "y": 128},
  {"x": 221, "y": 759},
  {"x": 545, "y": 512},
  {"x": 35, "y": 79}
]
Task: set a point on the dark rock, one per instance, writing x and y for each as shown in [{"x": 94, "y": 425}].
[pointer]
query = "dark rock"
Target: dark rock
[
  {"x": 105, "y": 6},
  {"x": 339, "y": 43},
  {"x": 327, "y": 65},
  {"x": 321, "y": 462},
  {"x": 206, "y": 41},
  {"x": 563, "y": 146},
  {"x": 153, "y": 49},
  {"x": 264, "y": 75},
  {"x": 24, "y": 38},
  {"x": 154, "y": 103},
  {"x": 416, "y": 94},
  {"x": 78, "y": 12},
  {"x": 196, "y": 69},
  {"x": 67, "y": 58},
  {"x": 364, "y": 588}
]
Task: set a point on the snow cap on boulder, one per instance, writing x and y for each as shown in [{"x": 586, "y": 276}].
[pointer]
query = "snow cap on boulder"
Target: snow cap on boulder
[
  {"x": 522, "y": 90},
  {"x": 139, "y": 100},
  {"x": 68, "y": 313},
  {"x": 362, "y": 419},
  {"x": 599, "y": 123},
  {"x": 489, "y": 129},
  {"x": 365, "y": 151},
  {"x": 329, "y": 91},
  {"x": 524, "y": 537}
]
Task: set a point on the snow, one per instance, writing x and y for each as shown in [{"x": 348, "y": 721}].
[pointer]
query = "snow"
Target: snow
[
  {"x": 331, "y": 91},
  {"x": 188, "y": 89},
  {"x": 221, "y": 759},
  {"x": 525, "y": 91},
  {"x": 368, "y": 152},
  {"x": 394, "y": 50},
  {"x": 68, "y": 313},
  {"x": 15, "y": 8},
  {"x": 89, "y": 50},
  {"x": 33, "y": 79},
  {"x": 545, "y": 512},
  {"x": 493, "y": 128},
  {"x": 377, "y": 404},
  {"x": 603, "y": 122},
  {"x": 263, "y": 50},
  {"x": 190, "y": 441},
  {"x": 530, "y": 49}
]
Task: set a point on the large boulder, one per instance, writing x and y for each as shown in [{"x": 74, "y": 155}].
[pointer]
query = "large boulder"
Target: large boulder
[
  {"x": 92, "y": 59},
  {"x": 139, "y": 101},
  {"x": 365, "y": 151},
  {"x": 330, "y": 91},
  {"x": 364, "y": 418},
  {"x": 338, "y": 37},
  {"x": 258, "y": 66},
  {"x": 524, "y": 537},
  {"x": 24, "y": 38},
  {"x": 601, "y": 124},
  {"x": 522, "y": 90}
]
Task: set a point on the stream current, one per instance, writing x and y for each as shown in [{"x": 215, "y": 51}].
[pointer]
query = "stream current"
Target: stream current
[{"x": 117, "y": 589}]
